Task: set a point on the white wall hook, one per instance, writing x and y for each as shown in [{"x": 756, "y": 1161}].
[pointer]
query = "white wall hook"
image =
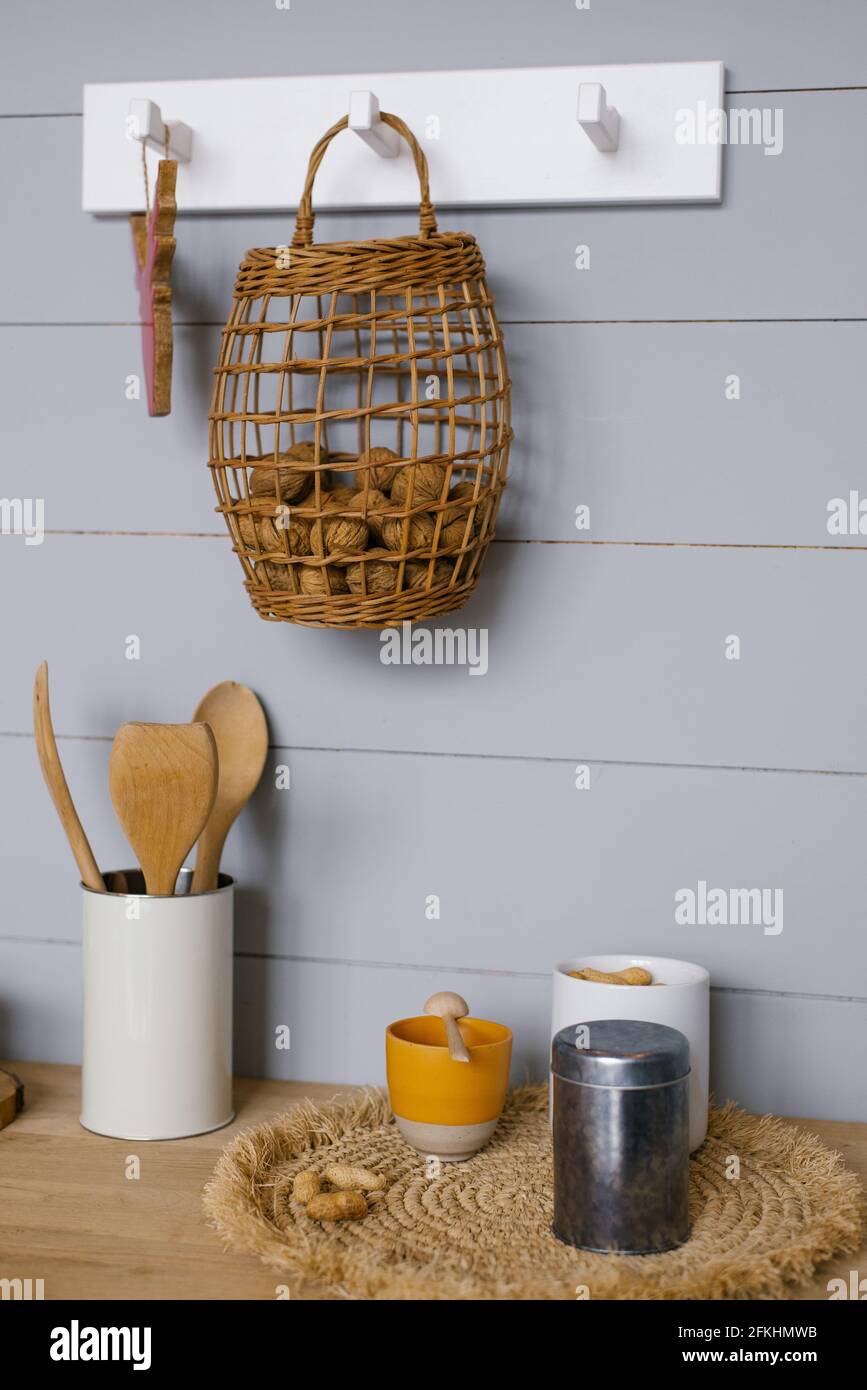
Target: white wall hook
[
  {"x": 601, "y": 121},
  {"x": 364, "y": 120},
  {"x": 145, "y": 122}
]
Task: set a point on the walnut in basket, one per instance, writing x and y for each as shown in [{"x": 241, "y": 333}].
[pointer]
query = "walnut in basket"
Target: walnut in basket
[
  {"x": 427, "y": 483},
  {"x": 312, "y": 579},
  {"x": 373, "y": 506},
  {"x": 381, "y": 471},
  {"x": 379, "y": 577},
  {"x": 419, "y": 535},
  {"x": 455, "y": 517},
  {"x": 257, "y": 528},
  {"x": 458, "y": 533},
  {"x": 339, "y": 496},
  {"x": 453, "y": 534},
  {"x": 415, "y": 574},
  {"x": 278, "y": 575},
  {"x": 463, "y": 493},
  {"x": 297, "y": 533},
  {"x": 291, "y": 483},
  {"x": 339, "y": 535}
]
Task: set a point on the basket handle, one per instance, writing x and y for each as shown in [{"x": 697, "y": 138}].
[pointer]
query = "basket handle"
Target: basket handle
[{"x": 304, "y": 219}]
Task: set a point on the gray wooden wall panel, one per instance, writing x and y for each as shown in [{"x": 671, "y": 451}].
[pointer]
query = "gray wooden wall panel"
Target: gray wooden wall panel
[
  {"x": 40, "y": 1001},
  {"x": 786, "y": 1055},
  {"x": 97, "y": 458},
  {"x": 790, "y": 1056},
  {"x": 632, "y": 420},
  {"x": 337, "y": 1015},
  {"x": 49, "y": 53},
  {"x": 646, "y": 263},
  {"x": 601, "y": 652},
  {"x": 528, "y": 869}
]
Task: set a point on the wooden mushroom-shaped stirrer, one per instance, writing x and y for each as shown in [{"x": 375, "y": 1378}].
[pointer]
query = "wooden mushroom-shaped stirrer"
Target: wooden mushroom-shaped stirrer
[
  {"x": 450, "y": 1007},
  {"x": 238, "y": 724},
  {"x": 163, "y": 780}
]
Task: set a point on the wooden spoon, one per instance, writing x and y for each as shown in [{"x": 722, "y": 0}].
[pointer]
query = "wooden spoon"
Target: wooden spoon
[
  {"x": 450, "y": 1007},
  {"x": 238, "y": 723},
  {"x": 163, "y": 780},
  {"x": 52, "y": 771}
]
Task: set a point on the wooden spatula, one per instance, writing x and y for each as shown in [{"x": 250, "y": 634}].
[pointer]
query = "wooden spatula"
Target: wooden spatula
[
  {"x": 450, "y": 1007},
  {"x": 237, "y": 721},
  {"x": 52, "y": 771},
  {"x": 163, "y": 780}
]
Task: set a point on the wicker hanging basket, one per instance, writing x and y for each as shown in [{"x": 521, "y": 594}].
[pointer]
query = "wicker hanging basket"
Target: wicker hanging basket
[{"x": 360, "y": 422}]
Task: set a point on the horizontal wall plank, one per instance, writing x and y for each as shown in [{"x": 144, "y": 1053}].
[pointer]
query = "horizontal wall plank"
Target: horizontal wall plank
[
  {"x": 782, "y": 1055},
  {"x": 726, "y": 262},
  {"x": 99, "y": 460},
  {"x": 636, "y": 422},
  {"x": 790, "y": 1056},
  {"x": 336, "y": 1014},
  {"x": 528, "y": 870},
  {"x": 630, "y": 420},
  {"x": 47, "y": 56},
  {"x": 779, "y": 1055},
  {"x": 600, "y": 652},
  {"x": 40, "y": 1001}
]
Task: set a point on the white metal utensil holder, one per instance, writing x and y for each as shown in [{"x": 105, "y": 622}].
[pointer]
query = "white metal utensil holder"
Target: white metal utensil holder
[{"x": 157, "y": 1045}]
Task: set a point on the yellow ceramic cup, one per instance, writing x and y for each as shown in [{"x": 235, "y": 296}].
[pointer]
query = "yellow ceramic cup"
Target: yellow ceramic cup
[{"x": 443, "y": 1108}]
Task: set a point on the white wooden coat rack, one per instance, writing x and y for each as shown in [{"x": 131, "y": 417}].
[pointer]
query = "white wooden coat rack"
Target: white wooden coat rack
[{"x": 502, "y": 137}]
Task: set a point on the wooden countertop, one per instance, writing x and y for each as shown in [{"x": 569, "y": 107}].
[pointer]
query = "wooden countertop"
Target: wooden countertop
[{"x": 70, "y": 1216}]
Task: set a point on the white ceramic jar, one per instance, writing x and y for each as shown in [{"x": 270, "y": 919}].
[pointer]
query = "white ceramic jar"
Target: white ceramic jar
[
  {"x": 679, "y": 997},
  {"x": 157, "y": 1046}
]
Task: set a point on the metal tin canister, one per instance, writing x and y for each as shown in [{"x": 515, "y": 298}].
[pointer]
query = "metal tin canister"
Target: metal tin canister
[{"x": 621, "y": 1136}]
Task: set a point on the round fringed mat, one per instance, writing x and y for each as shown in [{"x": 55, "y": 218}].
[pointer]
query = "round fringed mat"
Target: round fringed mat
[{"x": 482, "y": 1229}]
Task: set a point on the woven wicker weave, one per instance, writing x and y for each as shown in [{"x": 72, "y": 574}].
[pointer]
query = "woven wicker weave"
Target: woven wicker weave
[{"x": 361, "y": 366}]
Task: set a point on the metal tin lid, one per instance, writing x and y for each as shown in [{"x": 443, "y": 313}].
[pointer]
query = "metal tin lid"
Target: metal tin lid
[{"x": 620, "y": 1052}]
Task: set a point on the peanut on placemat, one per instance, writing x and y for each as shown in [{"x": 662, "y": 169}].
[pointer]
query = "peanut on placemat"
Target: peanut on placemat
[{"x": 348, "y": 1202}]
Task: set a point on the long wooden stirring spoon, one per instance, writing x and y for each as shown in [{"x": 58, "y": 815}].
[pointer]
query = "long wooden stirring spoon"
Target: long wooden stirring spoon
[
  {"x": 163, "y": 780},
  {"x": 241, "y": 732},
  {"x": 450, "y": 1007},
  {"x": 52, "y": 771}
]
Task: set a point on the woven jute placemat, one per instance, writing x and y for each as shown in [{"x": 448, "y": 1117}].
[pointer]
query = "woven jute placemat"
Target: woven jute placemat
[{"x": 482, "y": 1229}]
